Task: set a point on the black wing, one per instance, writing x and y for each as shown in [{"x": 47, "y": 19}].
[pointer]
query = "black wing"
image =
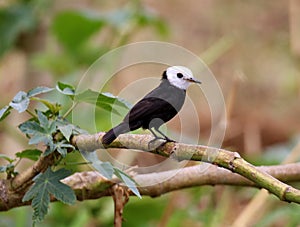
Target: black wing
[{"x": 148, "y": 109}]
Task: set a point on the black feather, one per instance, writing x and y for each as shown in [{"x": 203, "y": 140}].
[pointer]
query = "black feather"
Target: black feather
[{"x": 162, "y": 103}]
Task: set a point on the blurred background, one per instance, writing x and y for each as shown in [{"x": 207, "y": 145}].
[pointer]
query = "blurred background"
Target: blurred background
[{"x": 252, "y": 47}]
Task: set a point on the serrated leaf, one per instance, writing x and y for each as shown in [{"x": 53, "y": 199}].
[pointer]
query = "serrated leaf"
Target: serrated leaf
[
  {"x": 4, "y": 112},
  {"x": 104, "y": 168},
  {"x": 30, "y": 127},
  {"x": 32, "y": 154},
  {"x": 128, "y": 181},
  {"x": 66, "y": 130},
  {"x": 42, "y": 119},
  {"x": 75, "y": 129},
  {"x": 61, "y": 147},
  {"x": 46, "y": 184},
  {"x": 39, "y": 132},
  {"x": 39, "y": 90},
  {"x": 20, "y": 102}
]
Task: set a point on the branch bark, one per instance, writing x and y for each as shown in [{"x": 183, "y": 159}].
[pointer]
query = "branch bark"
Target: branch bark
[
  {"x": 223, "y": 158},
  {"x": 91, "y": 185}
]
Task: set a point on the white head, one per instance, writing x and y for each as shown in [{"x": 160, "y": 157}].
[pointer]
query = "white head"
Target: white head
[{"x": 180, "y": 76}]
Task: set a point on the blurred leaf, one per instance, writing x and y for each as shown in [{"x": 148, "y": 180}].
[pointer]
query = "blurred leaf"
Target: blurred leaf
[
  {"x": 73, "y": 28},
  {"x": 9, "y": 169},
  {"x": 6, "y": 158},
  {"x": 20, "y": 102},
  {"x": 14, "y": 21},
  {"x": 65, "y": 89},
  {"x": 57, "y": 63},
  {"x": 4, "y": 112},
  {"x": 32, "y": 154},
  {"x": 130, "y": 183},
  {"x": 38, "y": 90},
  {"x": 45, "y": 184}
]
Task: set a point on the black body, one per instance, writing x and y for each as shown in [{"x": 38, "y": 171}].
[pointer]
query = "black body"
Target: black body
[{"x": 156, "y": 108}]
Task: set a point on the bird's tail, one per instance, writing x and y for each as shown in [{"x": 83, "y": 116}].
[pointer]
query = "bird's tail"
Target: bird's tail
[{"x": 112, "y": 134}]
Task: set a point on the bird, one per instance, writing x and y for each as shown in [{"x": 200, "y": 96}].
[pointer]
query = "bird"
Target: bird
[{"x": 157, "y": 107}]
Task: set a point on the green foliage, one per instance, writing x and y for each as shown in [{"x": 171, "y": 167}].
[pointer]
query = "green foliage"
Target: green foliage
[
  {"x": 105, "y": 101},
  {"x": 32, "y": 154},
  {"x": 21, "y": 101},
  {"x": 9, "y": 169},
  {"x": 65, "y": 28},
  {"x": 50, "y": 128},
  {"x": 65, "y": 89},
  {"x": 40, "y": 131},
  {"x": 46, "y": 184},
  {"x": 14, "y": 21},
  {"x": 107, "y": 170}
]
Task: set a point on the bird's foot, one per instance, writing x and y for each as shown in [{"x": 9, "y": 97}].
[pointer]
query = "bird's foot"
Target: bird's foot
[
  {"x": 166, "y": 140},
  {"x": 153, "y": 141}
]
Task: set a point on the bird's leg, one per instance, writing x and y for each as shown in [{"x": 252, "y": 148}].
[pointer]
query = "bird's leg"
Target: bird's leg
[
  {"x": 165, "y": 137},
  {"x": 156, "y": 137}
]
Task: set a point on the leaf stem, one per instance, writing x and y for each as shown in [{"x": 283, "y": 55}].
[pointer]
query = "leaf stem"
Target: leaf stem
[
  {"x": 31, "y": 113},
  {"x": 70, "y": 110}
]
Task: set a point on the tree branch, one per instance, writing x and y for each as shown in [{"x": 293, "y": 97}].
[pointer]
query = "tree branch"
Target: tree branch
[
  {"x": 91, "y": 185},
  {"x": 223, "y": 158}
]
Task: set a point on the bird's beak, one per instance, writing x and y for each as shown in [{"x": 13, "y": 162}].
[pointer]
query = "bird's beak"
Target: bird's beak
[{"x": 193, "y": 80}]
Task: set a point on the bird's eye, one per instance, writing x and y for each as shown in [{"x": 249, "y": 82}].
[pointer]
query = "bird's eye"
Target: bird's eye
[{"x": 179, "y": 75}]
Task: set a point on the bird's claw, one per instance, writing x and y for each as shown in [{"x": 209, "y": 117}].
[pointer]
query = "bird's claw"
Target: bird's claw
[{"x": 166, "y": 140}]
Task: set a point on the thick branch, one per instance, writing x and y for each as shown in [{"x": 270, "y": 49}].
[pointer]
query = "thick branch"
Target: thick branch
[
  {"x": 227, "y": 159},
  {"x": 91, "y": 185}
]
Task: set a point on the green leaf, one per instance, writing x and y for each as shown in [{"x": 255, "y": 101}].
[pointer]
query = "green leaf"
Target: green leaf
[
  {"x": 73, "y": 28},
  {"x": 32, "y": 154},
  {"x": 53, "y": 107},
  {"x": 105, "y": 101},
  {"x": 2, "y": 169},
  {"x": 46, "y": 184},
  {"x": 41, "y": 132},
  {"x": 20, "y": 102},
  {"x": 10, "y": 160},
  {"x": 66, "y": 130},
  {"x": 61, "y": 147},
  {"x": 4, "y": 112},
  {"x": 38, "y": 90},
  {"x": 61, "y": 123},
  {"x": 14, "y": 21},
  {"x": 130, "y": 183},
  {"x": 9, "y": 169},
  {"x": 104, "y": 168},
  {"x": 65, "y": 89}
]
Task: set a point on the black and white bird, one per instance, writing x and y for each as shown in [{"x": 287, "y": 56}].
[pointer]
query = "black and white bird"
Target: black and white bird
[{"x": 158, "y": 106}]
